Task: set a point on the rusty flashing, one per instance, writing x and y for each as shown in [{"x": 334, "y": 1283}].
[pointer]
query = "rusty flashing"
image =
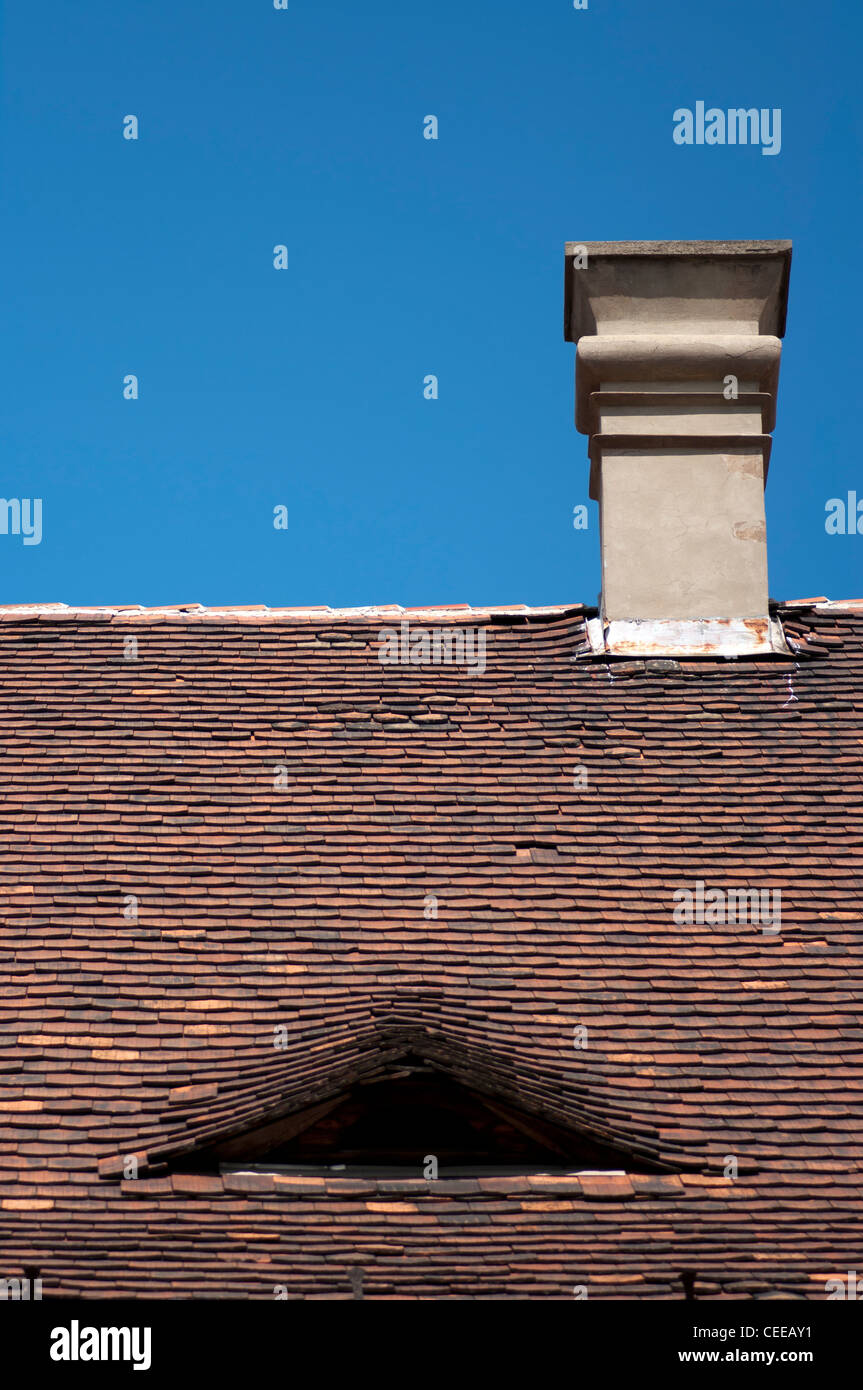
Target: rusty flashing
[{"x": 677, "y": 637}]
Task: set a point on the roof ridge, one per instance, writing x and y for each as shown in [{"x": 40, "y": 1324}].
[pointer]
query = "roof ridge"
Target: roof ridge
[{"x": 263, "y": 613}]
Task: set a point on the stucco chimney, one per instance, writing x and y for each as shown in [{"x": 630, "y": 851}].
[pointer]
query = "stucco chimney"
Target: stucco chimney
[{"x": 676, "y": 374}]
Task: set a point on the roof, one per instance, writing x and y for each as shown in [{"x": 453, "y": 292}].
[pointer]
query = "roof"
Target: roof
[{"x": 150, "y": 776}]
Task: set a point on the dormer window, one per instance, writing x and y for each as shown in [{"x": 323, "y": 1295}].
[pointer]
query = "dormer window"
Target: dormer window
[{"x": 416, "y": 1122}]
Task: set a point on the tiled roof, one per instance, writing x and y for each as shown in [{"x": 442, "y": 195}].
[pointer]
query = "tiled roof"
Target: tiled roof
[{"x": 307, "y": 905}]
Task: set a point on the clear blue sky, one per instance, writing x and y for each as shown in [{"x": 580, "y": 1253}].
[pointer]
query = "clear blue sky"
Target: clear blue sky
[{"x": 406, "y": 257}]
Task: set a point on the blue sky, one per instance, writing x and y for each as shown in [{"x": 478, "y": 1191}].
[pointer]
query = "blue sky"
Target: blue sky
[{"x": 407, "y": 256}]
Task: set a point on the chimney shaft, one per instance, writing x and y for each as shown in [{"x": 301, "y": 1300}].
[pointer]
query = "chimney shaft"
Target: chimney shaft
[{"x": 677, "y": 368}]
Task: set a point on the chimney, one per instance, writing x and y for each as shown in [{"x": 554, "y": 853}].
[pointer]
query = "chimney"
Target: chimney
[{"x": 676, "y": 373}]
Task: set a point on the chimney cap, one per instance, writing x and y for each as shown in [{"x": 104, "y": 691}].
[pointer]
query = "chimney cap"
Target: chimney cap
[{"x": 673, "y": 271}]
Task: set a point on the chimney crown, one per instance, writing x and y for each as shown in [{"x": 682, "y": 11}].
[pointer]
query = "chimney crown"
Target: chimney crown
[{"x": 677, "y": 286}]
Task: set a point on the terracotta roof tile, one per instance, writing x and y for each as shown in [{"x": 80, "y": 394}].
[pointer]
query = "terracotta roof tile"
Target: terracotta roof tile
[{"x": 146, "y": 1028}]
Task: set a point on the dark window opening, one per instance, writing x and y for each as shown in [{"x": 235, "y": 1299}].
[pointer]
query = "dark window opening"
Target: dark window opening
[{"x": 392, "y": 1127}]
